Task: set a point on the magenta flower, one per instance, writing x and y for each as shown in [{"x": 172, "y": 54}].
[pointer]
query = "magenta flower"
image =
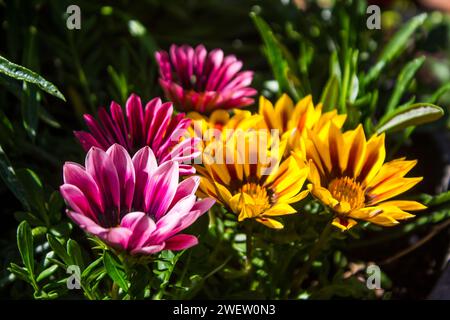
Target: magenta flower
[
  {"x": 132, "y": 204},
  {"x": 194, "y": 79},
  {"x": 155, "y": 126}
]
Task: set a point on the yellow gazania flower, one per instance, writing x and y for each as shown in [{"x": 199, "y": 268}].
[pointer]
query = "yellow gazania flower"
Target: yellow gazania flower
[
  {"x": 221, "y": 123},
  {"x": 252, "y": 181},
  {"x": 348, "y": 174},
  {"x": 294, "y": 121}
]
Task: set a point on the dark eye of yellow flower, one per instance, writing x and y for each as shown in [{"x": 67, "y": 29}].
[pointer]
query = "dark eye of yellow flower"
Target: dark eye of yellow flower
[{"x": 347, "y": 190}]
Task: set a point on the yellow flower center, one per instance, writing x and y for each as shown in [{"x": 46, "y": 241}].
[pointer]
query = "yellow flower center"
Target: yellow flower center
[
  {"x": 260, "y": 197},
  {"x": 347, "y": 190}
]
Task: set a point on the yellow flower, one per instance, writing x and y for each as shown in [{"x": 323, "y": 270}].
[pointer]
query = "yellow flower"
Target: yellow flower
[
  {"x": 244, "y": 172},
  {"x": 220, "y": 124},
  {"x": 294, "y": 121},
  {"x": 348, "y": 174}
]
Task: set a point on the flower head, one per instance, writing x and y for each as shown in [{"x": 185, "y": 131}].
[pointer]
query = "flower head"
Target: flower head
[
  {"x": 348, "y": 174},
  {"x": 132, "y": 204},
  {"x": 293, "y": 121},
  {"x": 220, "y": 124},
  {"x": 154, "y": 126},
  {"x": 195, "y": 79},
  {"x": 244, "y": 173}
]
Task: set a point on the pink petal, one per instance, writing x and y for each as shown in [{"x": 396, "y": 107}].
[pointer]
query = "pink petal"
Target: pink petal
[
  {"x": 101, "y": 167},
  {"x": 76, "y": 174},
  {"x": 144, "y": 163},
  {"x": 141, "y": 227},
  {"x": 185, "y": 188},
  {"x": 85, "y": 223},
  {"x": 119, "y": 119},
  {"x": 96, "y": 130},
  {"x": 76, "y": 200},
  {"x": 181, "y": 242},
  {"x": 149, "y": 249},
  {"x": 135, "y": 117},
  {"x": 161, "y": 189},
  {"x": 203, "y": 205},
  {"x": 125, "y": 173},
  {"x": 86, "y": 140},
  {"x": 176, "y": 219}
]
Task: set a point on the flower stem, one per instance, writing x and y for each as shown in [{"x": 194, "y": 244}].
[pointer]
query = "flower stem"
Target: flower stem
[
  {"x": 114, "y": 291},
  {"x": 249, "y": 249},
  {"x": 302, "y": 274}
]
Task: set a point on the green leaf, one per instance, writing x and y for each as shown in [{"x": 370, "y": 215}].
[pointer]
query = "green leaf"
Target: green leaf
[
  {"x": 55, "y": 204},
  {"x": 438, "y": 199},
  {"x": 25, "y": 245},
  {"x": 30, "y": 109},
  {"x": 33, "y": 190},
  {"x": 113, "y": 269},
  {"x": 439, "y": 93},
  {"x": 74, "y": 251},
  {"x": 411, "y": 115},
  {"x": 19, "y": 271},
  {"x": 9, "y": 177},
  {"x": 86, "y": 272},
  {"x": 47, "y": 273},
  {"x": 279, "y": 64},
  {"x": 403, "y": 81},
  {"x": 29, "y": 217},
  {"x": 330, "y": 94},
  {"x": 21, "y": 73},
  {"x": 395, "y": 46},
  {"x": 58, "y": 248}
]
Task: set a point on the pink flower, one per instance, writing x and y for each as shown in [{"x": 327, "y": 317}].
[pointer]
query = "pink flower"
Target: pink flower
[
  {"x": 194, "y": 79},
  {"x": 132, "y": 204},
  {"x": 155, "y": 126}
]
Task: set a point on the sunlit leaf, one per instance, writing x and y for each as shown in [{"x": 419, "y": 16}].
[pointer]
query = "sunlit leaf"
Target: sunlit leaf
[
  {"x": 21, "y": 73},
  {"x": 412, "y": 115}
]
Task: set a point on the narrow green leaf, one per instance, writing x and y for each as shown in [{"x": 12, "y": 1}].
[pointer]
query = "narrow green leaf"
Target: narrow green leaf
[
  {"x": 113, "y": 269},
  {"x": 437, "y": 199},
  {"x": 55, "y": 204},
  {"x": 25, "y": 245},
  {"x": 21, "y": 73},
  {"x": 33, "y": 190},
  {"x": 9, "y": 177},
  {"x": 412, "y": 115},
  {"x": 330, "y": 94},
  {"x": 403, "y": 81},
  {"x": 59, "y": 249},
  {"x": 86, "y": 272},
  {"x": 395, "y": 46},
  {"x": 30, "y": 109},
  {"x": 19, "y": 271},
  {"x": 47, "y": 273},
  {"x": 439, "y": 93},
  {"x": 74, "y": 251},
  {"x": 278, "y": 63}
]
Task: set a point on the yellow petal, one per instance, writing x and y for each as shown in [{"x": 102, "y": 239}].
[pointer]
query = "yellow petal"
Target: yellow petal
[
  {"x": 375, "y": 155},
  {"x": 279, "y": 210},
  {"x": 357, "y": 152},
  {"x": 404, "y": 205},
  {"x": 343, "y": 223},
  {"x": 390, "y": 189},
  {"x": 271, "y": 223},
  {"x": 323, "y": 195}
]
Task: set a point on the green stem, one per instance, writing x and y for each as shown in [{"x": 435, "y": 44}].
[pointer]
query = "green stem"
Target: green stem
[
  {"x": 249, "y": 249},
  {"x": 302, "y": 274},
  {"x": 114, "y": 291}
]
